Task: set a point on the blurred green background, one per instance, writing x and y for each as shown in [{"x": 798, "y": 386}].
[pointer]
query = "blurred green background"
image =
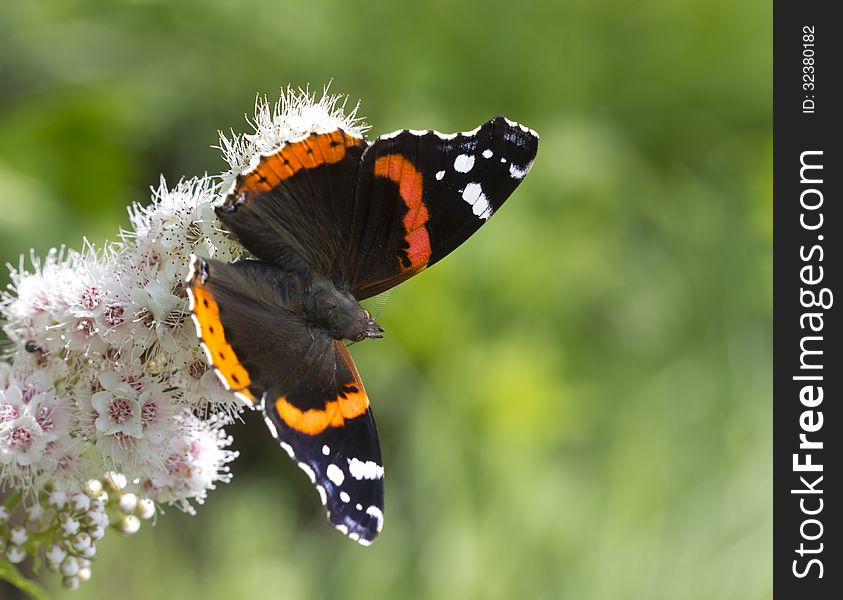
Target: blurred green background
[{"x": 576, "y": 403}]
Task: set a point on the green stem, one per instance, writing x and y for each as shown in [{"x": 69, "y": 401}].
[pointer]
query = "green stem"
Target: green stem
[
  {"x": 10, "y": 573},
  {"x": 12, "y": 501}
]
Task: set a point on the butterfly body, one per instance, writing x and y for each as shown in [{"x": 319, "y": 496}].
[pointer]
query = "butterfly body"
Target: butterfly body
[{"x": 331, "y": 220}]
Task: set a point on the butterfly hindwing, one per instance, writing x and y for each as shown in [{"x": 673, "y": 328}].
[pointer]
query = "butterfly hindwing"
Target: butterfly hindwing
[
  {"x": 247, "y": 316},
  {"x": 420, "y": 194},
  {"x": 324, "y": 422}
]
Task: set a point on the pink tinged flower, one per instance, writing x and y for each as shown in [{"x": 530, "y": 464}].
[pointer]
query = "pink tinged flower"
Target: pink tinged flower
[
  {"x": 90, "y": 298},
  {"x": 22, "y": 441},
  {"x": 8, "y": 412},
  {"x": 116, "y": 414},
  {"x": 11, "y": 402},
  {"x": 113, "y": 314}
]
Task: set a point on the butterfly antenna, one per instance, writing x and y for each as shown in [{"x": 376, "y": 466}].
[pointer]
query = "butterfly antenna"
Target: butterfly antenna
[{"x": 379, "y": 302}]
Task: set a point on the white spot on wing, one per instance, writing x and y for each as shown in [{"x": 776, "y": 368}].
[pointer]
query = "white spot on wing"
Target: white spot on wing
[
  {"x": 378, "y": 514},
  {"x": 473, "y": 194},
  {"x": 220, "y": 376},
  {"x": 358, "y": 506},
  {"x": 419, "y": 131},
  {"x": 306, "y": 468},
  {"x": 440, "y": 175},
  {"x": 482, "y": 208},
  {"x": 194, "y": 319},
  {"x": 342, "y": 529},
  {"x": 364, "y": 470},
  {"x": 517, "y": 173},
  {"x": 335, "y": 474},
  {"x": 445, "y": 136},
  {"x": 487, "y": 153},
  {"x": 325, "y": 450},
  {"x": 463, "y": 163},
  {"x": 323, "y": 496},
  {"x": 288, "y": 449},
  {"x": 345, "y": 497},
  {"x": 271, "y": 426}
]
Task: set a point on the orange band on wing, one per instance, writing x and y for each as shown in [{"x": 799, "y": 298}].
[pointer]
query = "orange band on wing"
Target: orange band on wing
[
  {"x": 399, "y": 169},
  {"x": 318, "y": 149},
  {"x": 351, "y": 402},
  {"x": 219, "y": 350}
]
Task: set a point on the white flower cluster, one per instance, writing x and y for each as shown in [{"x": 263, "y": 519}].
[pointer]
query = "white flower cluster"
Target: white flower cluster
[
  {"x": 67, "y": 526},
  {"x": 105, "y": 373}
]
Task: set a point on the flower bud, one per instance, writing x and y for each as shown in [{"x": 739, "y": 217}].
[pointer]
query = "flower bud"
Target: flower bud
[
  {"x": 90, "y": 552},
  {"x": 93, "y": 488},
  {"x": 71, "y": 583},
  {"x": 55, "y": 554},
  {"x": 35, "y": 512},
  {"x": 70, "y": 526},
  {"x": 57, "y": 499},
  {"x": 97, "y": 533},
  {"x": 81, "y": 502},
  {"x": 94, "y": 518},
  {"x": 129, "y": 524},
  {"x": 18, "y": 536},
  {"x": 15, "y": 554},
  {"x": 70, "y": 566},
  {"x": 116, "y": 481},
  {"x": 127, "y": 503},
  {"x": 146, "y": 508},
  {"x": 81, "y": 542},
  {"x": 84, "y": 574}
]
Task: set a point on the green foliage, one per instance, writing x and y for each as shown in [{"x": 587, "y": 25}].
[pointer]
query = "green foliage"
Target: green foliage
[{"x": 576, "y": 404}]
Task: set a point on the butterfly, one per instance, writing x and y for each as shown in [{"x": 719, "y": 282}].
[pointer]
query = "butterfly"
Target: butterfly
[{"x": 332, "y": 219}]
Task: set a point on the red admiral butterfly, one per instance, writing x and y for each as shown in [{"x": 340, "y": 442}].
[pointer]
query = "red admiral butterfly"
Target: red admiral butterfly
[{"x": 333, "y": 219}]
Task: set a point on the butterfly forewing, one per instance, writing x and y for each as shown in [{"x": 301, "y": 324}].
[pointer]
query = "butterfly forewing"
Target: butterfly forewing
[
  {"x": 420, "y": 194},
  {"x": 294, "y": 208}
]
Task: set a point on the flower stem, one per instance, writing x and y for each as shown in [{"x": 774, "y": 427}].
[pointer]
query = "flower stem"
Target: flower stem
[
  {"x": 8, "y": 572},
  {"x": 12, "y": 501}
]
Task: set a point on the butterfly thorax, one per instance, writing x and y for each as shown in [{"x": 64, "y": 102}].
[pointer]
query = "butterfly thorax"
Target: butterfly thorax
[{"x": 337, "y": 312}]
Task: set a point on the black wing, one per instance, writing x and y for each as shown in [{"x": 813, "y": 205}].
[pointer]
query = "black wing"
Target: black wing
[
  {"x": 312, "y": 396},
  {"x": 420, "y": 194}
]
